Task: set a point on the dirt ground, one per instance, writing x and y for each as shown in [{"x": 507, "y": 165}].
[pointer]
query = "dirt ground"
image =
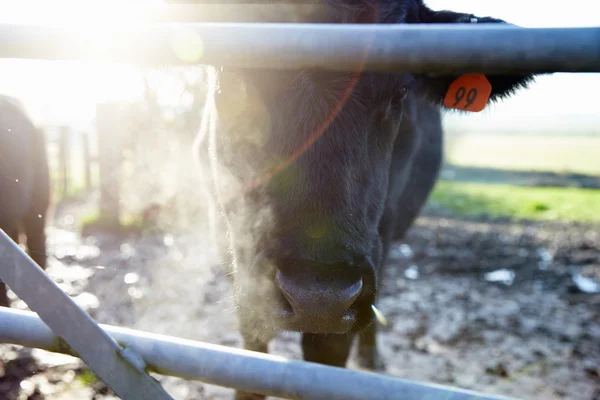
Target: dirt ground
[{"x": 500, "y": 307}]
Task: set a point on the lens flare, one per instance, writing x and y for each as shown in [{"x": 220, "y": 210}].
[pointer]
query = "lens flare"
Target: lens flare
[{"x": 187, "y": 46}]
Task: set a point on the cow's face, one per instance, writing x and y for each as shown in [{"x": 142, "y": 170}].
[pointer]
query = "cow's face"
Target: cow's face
[
  {"x": 308, "y": 153},
  {"x": 319, "y": 146}
]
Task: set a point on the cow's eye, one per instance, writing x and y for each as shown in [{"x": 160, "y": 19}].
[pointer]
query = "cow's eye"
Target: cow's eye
[
  {"x": 395, "y": 102},
  {"x": 400, "y": 95}
]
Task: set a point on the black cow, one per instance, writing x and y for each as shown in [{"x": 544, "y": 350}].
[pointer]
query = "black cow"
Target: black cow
[
  {"x": 315, "y": 173},
  {"x": 24, "y": 182}
]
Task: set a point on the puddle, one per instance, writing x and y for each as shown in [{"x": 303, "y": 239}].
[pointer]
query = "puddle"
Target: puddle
[
  {"x": 504, "y": 276},
  {"x": 131, "y": 278},
  {"x": 412, "y": 272},
  {"x": 585, "y": 284}
]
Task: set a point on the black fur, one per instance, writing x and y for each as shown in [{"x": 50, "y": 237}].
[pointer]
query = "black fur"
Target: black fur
[
  {"x": 24, "y": 182},
  {"x": 359, "y": 185}
]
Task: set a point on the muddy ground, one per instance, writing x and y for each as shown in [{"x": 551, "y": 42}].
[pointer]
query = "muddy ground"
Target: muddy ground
[{"x": 489, "y": 306}]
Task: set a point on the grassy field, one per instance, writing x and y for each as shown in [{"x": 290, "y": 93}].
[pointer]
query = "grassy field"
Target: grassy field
[
  {"x": 575, "y": 154},
  {"x": 518, "y": 202}
]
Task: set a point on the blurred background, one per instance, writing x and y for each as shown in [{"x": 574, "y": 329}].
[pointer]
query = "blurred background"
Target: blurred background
[{"x": 496, "y": 288}]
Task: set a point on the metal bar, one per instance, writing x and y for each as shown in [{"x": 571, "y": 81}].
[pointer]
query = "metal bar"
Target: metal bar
[
  {"x": 73, "y": 327},
  {"x": 428, "y": 48},
  {"x": 236, "y": 368}
]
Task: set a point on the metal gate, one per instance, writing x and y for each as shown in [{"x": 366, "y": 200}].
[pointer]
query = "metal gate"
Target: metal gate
[{"x": 122, "y": 358}]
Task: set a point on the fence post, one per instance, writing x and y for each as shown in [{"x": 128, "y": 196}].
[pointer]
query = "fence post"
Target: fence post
[
  {"x": 87, "y": 160},
  {"x": 108, "y": 132},
  {"x": 63, "y": 158}
]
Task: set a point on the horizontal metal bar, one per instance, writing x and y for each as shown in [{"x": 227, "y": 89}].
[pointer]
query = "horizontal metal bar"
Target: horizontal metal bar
[
  {"x": 429, "y": 48},
  {"x": 235, "y": 368},
  {"x": 76, "y": 331}
]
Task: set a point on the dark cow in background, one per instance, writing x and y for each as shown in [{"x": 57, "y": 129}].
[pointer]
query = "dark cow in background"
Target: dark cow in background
[
  {"x": 24, "y": 182},
  {"x": 329, "y": 168}
]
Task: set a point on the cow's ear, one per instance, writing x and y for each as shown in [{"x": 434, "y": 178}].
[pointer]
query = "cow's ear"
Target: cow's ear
[{"x": 456, "y": 91}]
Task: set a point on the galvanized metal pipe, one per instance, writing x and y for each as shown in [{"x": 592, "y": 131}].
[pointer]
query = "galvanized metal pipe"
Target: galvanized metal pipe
[
  {"x": 426, "y": 48},
  {"x": 117, "y": 367},
  {"x": 235, "y": 368}
]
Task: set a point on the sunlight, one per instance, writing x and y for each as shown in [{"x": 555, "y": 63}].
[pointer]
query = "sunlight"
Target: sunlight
[
  {"x": 76, "y": 12},
  {"x": 67, "y": 91},
  {"x": 57, "y": 92}
]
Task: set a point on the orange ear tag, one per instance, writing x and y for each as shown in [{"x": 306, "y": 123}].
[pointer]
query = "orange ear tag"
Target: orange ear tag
[{"x": 470, "y": 92}]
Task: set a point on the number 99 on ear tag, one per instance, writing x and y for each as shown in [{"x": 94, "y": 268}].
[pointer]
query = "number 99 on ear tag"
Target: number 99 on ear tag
[{"x": 469, "y": 92}]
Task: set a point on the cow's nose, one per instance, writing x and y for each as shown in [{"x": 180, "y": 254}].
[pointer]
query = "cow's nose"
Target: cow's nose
[{"x": 320, "y": 297}]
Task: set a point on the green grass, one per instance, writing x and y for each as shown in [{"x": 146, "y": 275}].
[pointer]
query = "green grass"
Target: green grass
[
  {"x": 87, "y": 377},
  {"x": 518, "y": 202},
  {"x": 572, "y": 154},
  {"x": 128, "y": 223}
]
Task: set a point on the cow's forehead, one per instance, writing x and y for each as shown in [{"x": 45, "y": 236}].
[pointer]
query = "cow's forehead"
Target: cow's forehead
[
  {"x": 270, "y": 85},
  {"x": 326, "y": 11},
  {"x": 313, "y": 92}
]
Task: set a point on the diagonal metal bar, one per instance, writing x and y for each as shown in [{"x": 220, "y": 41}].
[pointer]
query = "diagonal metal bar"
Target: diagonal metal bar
[{"x": 74, "y": 327}]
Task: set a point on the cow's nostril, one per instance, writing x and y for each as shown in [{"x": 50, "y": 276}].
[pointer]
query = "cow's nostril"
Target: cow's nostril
[{"x": 311, "y": 296}]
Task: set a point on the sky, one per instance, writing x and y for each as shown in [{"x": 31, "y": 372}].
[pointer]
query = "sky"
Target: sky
[{"x": 66, "y": 92}]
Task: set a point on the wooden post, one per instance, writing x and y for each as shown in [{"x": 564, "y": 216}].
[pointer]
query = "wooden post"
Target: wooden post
[
  {"x": 87, "y": 161},
  {"x": 64, "y": 157},
  {"x": 108, "y": 132}
]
